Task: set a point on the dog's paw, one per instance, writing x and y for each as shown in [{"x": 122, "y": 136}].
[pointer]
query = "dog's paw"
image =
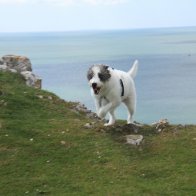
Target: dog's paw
[{"x": 108, "y": 124}]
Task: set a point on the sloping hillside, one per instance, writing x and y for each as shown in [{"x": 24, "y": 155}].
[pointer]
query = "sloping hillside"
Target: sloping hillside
[{"x": 46, "y": 149}]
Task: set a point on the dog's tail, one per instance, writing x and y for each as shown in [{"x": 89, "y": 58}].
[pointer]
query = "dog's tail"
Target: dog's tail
[{"x": 133, "y": 71}]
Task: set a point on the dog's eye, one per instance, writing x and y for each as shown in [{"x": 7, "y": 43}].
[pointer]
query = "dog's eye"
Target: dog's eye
[
  {"x": 101, "y": 76},
  {"x": 104, "y": 76}
]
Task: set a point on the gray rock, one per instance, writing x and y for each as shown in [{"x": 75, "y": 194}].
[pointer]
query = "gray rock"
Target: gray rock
[
  {"x": 134, "y": 139},
  {"x": 79, "y": 107},
  {"x": 19, "y": 63},
  {"x": 22, "y": 65},
  {"x": 12, "y": 70},
  {"x": 160, "y": 125},
  {"x": 31, "y": 79},
  {"x": 1, "y": 61},
  {"x": 38, "y": 82},
  {"x": 88, "y": 125},
  {"x": 50, "y": 98},
  {"x": 40, "y": 96},
  {"x": 3, "y": 67}
]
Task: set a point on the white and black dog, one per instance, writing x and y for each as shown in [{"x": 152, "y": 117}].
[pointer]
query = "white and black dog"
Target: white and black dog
[{"x": 110, "y": 87}]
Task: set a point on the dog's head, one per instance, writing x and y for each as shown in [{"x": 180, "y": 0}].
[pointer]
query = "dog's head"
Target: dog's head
[{"x": 97, "y": 76}]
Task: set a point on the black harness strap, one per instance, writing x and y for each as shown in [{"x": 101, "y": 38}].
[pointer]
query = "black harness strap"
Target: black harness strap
[{"x": 122, "y": 85}]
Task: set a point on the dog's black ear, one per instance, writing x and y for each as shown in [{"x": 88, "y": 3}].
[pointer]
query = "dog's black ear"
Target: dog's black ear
[{"x": 90, "y": 74}]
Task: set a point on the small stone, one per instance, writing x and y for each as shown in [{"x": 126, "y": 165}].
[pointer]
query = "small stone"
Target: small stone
[
  {"x": 40, "y": 96},
  {"x": 38, "y": 83},
  {"x": 2, "y": 102},
  {"x": 63, "y": 142},
  {"x": 159, "y": 130},
  {"x": 50, "y": 97},
  {"x": 134, "y": 139},
  {"x": 31, "y": 139},
  {"x": 13, "y": 70},
  {"x": 88, "y": 125}
]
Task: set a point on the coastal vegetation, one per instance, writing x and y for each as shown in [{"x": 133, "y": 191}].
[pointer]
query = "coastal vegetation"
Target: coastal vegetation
[{"x": 46, "y": 148}]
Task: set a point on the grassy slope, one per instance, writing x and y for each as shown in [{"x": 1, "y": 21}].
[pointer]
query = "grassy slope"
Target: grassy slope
[{"x": 45, "y": 149}]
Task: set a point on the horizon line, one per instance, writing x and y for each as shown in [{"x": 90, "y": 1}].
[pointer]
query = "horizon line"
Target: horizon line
[{"x": 96, "y": 30}]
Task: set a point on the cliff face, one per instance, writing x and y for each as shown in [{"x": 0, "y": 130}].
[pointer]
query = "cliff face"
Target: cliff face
[{"x": 22, "y": 65}]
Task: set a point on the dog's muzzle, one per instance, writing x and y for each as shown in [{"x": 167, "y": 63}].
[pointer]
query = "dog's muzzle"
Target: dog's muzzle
[{"x": 96, "y": 88}]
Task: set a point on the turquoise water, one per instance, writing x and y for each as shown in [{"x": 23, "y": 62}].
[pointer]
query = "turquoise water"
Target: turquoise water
[{"x": 166, "y": 80}]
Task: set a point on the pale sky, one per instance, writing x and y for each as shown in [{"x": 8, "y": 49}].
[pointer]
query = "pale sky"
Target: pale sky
[{"x": 71, "y": 15}]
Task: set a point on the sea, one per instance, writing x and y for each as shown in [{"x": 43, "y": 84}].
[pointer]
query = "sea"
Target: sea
[{"x": 166, "y": 78}]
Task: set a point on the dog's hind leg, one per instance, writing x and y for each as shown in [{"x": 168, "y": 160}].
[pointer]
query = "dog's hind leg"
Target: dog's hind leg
[{"x": 131, "y": 108}]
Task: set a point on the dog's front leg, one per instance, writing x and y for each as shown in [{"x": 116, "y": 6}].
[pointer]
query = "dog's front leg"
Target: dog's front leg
[
  {"x": 100, "y": 102},
  {"x": 97, "y": 105},
  {"x": 106, "y": 108}
]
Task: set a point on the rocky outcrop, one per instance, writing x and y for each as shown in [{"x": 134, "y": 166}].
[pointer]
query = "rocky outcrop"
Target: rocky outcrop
[
  {"x": 19, "y": 63},
  {"x": 22, "y": 65},
  {"x": 161, "y": 125},
  {"x": 79, "y": 107}
]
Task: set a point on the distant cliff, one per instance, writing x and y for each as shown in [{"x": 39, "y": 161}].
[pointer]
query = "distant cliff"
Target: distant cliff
[{"x": 22, "y": 65}]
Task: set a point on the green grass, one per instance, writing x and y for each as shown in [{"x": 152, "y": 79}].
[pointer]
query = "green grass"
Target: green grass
[{"x": 46, "y": 150}]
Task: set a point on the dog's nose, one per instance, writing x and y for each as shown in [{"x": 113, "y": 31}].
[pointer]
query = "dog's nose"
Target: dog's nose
[{"x": 94, "y": 85}]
